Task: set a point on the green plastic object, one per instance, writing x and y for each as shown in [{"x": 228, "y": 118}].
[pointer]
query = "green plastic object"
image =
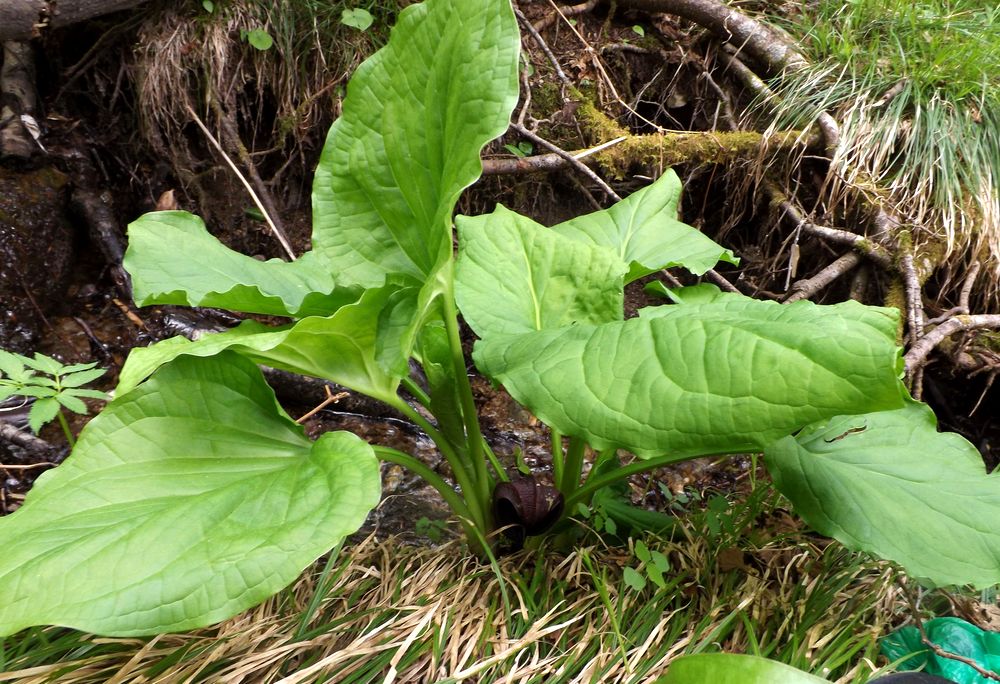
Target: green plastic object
[{"x": 954, "y": 635}]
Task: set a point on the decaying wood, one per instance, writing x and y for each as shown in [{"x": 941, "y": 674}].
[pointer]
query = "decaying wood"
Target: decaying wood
[
  {"x": 19, "y": 97},
  {"x": 105, "y": 233},
  {"x": 27, "y": 441},
  {"x": 24, "y": 19},
  {"x": 668, "y": 149}
]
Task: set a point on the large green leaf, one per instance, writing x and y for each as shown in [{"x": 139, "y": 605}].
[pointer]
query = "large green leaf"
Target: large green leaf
[
  {"x": 713, "y": 377},
  {"x": 643, "y": 231},
  {"x": 186, "y": 501},
  {"x": 729, "y": 668},
  {"x": 173, "y": 260},
  {"x": 415, "y": 118},
  {"x": 341, "y": 348},
  {"x": 514, "y": 275},
  {"x": 889, "y": 483}
]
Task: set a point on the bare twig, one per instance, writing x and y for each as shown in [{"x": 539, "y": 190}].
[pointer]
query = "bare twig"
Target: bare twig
[
  {"x": 671, "y": 280},
  {"x": 560, "y": 74},
  {"x": 232, "y": 137},
  {"x": 573, "y": 161},
  {"x": 806, "y": 288},
  {"x": 278, "y": 234},
  {"x": 331, "y": 398},
  {"x": 570, "y": 11},
  {"x": 938, "y": 651},
  {"x": 917, "y": 355},
  {"x": 720, "y": 280},
  {"x": 30, "y": 466}
]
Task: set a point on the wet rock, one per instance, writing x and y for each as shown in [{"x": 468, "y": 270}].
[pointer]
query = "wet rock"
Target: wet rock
[{"x": 35, "y": 252}]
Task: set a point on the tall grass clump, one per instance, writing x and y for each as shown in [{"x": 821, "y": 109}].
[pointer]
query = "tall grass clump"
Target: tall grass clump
[{"x": 916, "y": 87}]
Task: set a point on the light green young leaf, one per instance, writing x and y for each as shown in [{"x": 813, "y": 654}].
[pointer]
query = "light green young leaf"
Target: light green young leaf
[
  {"x": 514, "y": 275},
  {"x": 173, "y": 259},
  {"x": 81, "y": 377},
  {"x": 729, "y": 668},
  {"x": 644, "y": 232},
  {"x": 660, "y": 562},
  {"x": 185, "y": 502},
  {"x": 358, "y": 18},
  {"x": 35, "y": 391},
  {"x": 655, "y": 576},
  {"x": 42, "y": 411},
  {"x": 88, "y": 393},
  {"x": 76, "y": 367},
  {"x": 72, "y": 403},
  {"x": 340, "y": 348},
  {"x": 702, "y": 293},
  {"x": 721, "y": 377},
  {"x": 260, "y": 39},
  {"x": 633, "y": 579},
  {"x": 11, "y": 366},
  {"x": 43, "y": 363},
  {"x": 890, "y": 484},
  {"x": 414, "y": 120}
]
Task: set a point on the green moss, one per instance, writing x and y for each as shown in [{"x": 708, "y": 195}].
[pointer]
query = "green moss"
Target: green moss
[
  {"x": 546, "y": 100},
  {"x": 670, "y": 149}
]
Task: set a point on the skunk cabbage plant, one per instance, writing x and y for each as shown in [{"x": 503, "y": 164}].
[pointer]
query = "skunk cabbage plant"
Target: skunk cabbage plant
[{"x": 193, "y": 496}]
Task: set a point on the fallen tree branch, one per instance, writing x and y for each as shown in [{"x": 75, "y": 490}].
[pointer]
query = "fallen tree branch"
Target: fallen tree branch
[
  {"x": 25, "y": 440},
  {"x": 24, "y": 19},
  {"x": 668, "y": 149},
  {"x": 105, "y": 233},
  {"x": 916, "y": 357}
]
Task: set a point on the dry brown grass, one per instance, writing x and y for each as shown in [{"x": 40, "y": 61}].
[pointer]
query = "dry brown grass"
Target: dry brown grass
[{"x": 396, "y": 613}]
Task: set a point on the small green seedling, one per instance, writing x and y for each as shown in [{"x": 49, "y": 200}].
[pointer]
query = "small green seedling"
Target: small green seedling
[
  {"x": 258, "y": 38},
  {"x": 361, "y": 19},
  {"x": 520, "y": 150},
  {"x": 54, "y": 386},
  {"x": 434, "y": 529}
]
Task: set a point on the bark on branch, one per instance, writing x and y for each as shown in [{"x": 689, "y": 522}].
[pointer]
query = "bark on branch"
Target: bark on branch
[
  {"x": 23, "y": 19},
  {"x": 762, "y": 43}
]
